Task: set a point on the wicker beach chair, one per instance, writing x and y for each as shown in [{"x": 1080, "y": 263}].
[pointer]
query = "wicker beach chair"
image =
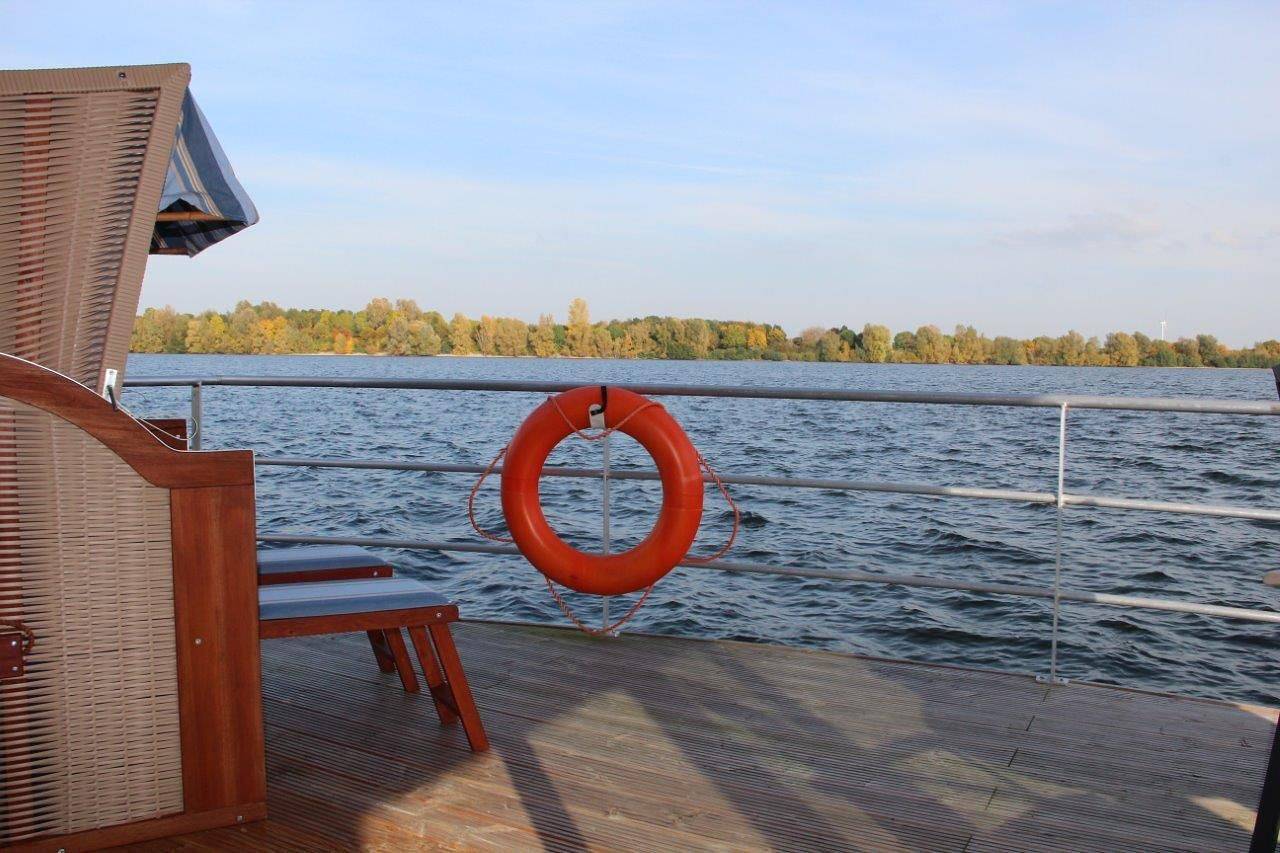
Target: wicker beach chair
[
  {"x": 130, "y": 696},
  {"x": 132, "y": 708}
]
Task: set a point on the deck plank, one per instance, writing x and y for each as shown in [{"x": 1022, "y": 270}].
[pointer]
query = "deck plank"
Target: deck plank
[{"x": 666, "y": 744}]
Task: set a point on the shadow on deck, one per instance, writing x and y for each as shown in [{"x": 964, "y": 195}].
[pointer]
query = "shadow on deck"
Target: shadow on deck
[{"x": 654, "y": 743}]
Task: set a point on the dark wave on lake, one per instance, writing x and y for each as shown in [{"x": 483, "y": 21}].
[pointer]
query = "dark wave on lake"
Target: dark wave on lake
[{"x": 1133, "y": 454}]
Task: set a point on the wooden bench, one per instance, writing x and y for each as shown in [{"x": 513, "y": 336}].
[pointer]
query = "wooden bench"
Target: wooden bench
[
  {"x": 310, "y": 563},
  {"x": 314, "y": 563},
  {"x": 386, "y": 606}
]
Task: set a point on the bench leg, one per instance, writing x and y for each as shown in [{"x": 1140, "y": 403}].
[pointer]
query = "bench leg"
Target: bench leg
[
  {"x": 401, "y": 656},
  {"x": 445, "y": 705},
  {"x": 381, "y": 651},
  {"x": 457, "y": 681}
]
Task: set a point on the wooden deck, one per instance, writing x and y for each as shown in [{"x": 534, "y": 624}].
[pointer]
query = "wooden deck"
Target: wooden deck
[{"x": 647, "y": 743}]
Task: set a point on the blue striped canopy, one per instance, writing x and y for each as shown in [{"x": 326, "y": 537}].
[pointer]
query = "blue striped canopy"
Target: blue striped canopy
[{"x": 200, "y": 182}]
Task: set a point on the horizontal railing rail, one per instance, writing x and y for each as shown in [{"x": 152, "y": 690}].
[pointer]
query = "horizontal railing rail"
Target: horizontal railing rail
[
  {"x": 746, "y": 392},
  {"x": 1059, "y": 498},
  {"x": 893, "y": 487},
  {"x": 739, "y": 567}
]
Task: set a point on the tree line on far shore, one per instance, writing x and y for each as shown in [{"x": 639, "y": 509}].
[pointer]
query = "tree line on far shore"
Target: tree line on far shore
[{"x": 402, "y": 328}]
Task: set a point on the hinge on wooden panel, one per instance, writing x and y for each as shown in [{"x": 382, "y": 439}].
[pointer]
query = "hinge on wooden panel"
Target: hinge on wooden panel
[{"x": 15, "y": 642}]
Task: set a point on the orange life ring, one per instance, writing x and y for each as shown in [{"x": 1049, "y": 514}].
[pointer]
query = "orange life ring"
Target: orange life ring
[{"x": 682, "y": 491}]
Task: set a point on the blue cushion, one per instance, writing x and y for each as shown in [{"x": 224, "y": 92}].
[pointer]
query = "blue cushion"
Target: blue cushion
[
  {"x": 314, "y": 558},
  {"x": 334, "y": 598}
]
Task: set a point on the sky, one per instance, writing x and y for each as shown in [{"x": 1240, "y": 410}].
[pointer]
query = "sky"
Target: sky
[{"x": 1024, "y": 168}]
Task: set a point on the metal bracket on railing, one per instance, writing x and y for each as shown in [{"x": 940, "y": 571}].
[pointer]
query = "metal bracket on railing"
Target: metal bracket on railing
[{"x": 197, "y": 417}]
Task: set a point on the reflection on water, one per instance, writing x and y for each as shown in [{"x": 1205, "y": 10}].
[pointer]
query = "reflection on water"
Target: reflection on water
[{"x": 1133, "y": 454}]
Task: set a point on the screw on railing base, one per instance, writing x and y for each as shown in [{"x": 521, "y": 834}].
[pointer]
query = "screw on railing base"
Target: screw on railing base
[{"x": 1051, "y": 679}]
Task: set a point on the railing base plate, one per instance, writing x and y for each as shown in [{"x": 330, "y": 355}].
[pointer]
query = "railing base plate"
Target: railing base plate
[{"x": 1045, "y": 679}]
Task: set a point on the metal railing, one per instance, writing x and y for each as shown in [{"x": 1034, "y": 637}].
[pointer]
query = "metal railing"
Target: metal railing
[{"x": 1059, "y": 498}]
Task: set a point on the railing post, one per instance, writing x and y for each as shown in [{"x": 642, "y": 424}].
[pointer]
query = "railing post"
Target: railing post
[
  {"x": 197, "y": 417},
  {"x": 604, "y": 523},
  {"x": 1057, "y": 562}
]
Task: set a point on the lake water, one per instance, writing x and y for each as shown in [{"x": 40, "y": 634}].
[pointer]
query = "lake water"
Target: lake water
[{"x": 1133, "y": 454}]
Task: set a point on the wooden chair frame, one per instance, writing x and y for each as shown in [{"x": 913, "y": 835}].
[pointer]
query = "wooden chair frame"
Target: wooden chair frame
[{"x": 428, "y": 627}]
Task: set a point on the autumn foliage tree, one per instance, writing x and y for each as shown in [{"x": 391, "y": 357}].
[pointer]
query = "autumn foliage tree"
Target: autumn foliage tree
[{"x": 401, "y": 327}]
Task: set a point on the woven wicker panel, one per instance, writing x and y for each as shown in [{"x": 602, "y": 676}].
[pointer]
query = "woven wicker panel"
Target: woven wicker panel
[
  {"x": 83, "y": 156},
  {"x": 69, "y": 172},
  {"x": 89, "y": 736}
]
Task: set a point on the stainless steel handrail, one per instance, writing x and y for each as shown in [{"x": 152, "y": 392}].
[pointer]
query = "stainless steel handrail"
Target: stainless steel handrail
[{"x": 747, "y": 392}]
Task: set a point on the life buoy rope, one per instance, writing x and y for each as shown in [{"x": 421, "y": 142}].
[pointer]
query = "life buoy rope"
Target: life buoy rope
[
  {"x": 604, "y": 630},
  {"x": 639, "y": 405},
  {"x": 606, "y": 431},
  {"x": 733, "y": 505},
  {"x": 475, "y": 490}
]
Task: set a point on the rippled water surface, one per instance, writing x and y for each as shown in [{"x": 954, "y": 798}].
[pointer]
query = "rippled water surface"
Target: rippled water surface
[{"x": 1159, "y": 456}]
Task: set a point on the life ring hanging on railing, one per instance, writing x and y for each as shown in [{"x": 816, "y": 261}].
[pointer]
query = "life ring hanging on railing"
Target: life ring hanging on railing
[
  {"x": 679, "y": 468},
  {"x": 682, "y": 491}
]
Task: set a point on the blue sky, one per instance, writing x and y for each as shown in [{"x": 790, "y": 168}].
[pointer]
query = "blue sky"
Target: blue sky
[{"x": 1024, "y": 168}]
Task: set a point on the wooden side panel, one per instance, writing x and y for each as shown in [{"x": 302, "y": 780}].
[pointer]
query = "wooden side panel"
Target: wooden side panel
[
  {"x": 353, "y": 574},
  {"x": 346, "y": 623},
  {"x": 215, "y": 584}
]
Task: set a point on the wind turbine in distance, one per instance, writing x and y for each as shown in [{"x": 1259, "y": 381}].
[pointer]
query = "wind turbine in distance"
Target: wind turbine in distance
[{"x": 1163, "y": 323}]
